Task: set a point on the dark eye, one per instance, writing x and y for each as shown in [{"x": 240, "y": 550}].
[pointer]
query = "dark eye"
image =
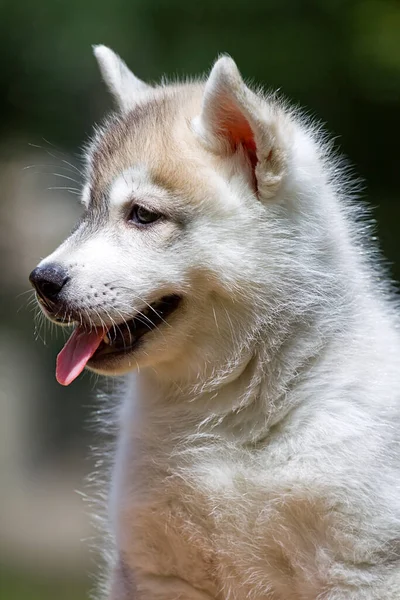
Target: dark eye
[{"x": 143, "y": 216}]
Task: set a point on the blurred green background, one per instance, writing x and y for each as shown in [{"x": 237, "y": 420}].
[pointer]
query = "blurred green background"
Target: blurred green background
[{"x": 340, "y": 59}]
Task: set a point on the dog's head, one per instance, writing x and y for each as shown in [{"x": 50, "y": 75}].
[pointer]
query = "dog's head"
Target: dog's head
[{"x": 175, "y": 257}]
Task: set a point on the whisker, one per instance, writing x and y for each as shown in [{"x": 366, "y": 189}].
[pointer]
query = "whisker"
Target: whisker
[
  {"x": 65, "y": 177},
  {"x": 124, "y": 321},
  {"x": 39, "y": 321},
  {"x": 74, "y": 191},
  {"x": 70, "y": 189},
  {"x": 102, "y": 322},
  {"x": 48, "y": 166},
  {"x": 63, "y": 160},
  {"x": 58, "y": 158},
  {"x": 74, "y": 167},
  {"x": 149, "y": 324},
  {"x": 112, "y": 322},
  {"x": 31, "y": 291},
  {"x": 91, "y": 323},
  {"x": 144, "y": 302}
]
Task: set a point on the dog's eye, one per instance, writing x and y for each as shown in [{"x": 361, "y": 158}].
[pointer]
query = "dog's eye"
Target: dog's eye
[{"x": 143, "y": 216}]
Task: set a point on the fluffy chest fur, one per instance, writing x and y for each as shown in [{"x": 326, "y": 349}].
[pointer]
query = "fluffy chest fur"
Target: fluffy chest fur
[{"x": 304, "y": 512}]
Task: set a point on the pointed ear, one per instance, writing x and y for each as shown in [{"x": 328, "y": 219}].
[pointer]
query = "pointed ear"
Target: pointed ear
[
  {"x": 121, "y": 82},
  {"x": 235, "y": 119}
]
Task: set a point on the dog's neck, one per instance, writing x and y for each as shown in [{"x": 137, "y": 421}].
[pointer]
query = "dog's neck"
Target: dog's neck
[
  {"x": 241, "y": 392},
  {"x": 247, "y": 398}
]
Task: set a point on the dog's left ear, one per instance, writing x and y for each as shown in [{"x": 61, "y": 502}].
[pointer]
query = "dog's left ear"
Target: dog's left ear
[
  {"x": 233, "y": 118},
  {"x": 122, "y": 83}
]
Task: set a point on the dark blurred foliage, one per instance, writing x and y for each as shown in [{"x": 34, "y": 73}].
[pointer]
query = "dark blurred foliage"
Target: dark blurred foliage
[{"x": 339, "y": 59}]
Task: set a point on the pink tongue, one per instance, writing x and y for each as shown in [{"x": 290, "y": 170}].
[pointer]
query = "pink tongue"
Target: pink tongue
[{"x": 73, "y": 357}]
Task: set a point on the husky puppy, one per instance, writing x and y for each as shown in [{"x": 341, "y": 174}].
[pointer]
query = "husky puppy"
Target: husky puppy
[{"x": 220, "y": 264}]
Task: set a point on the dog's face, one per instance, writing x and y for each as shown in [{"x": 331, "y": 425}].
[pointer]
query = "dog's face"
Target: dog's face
[{"x": 161, "y": 267}]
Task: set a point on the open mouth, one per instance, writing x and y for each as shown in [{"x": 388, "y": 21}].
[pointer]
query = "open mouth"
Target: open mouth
[
  {"x": 124, "y": 337},
  {"x": 96, "y": 345}
]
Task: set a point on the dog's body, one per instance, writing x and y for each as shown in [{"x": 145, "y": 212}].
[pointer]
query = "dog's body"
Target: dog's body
[{"x": 258, "y": 452}]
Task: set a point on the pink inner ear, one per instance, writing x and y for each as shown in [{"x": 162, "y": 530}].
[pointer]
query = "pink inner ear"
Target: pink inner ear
[{"x": 235, "y": 128}]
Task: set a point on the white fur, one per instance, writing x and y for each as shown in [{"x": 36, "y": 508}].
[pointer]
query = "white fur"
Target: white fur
[
  {"x": 134, "y": 183},
  {"x": 258, "y": 446},
  {"x": 123, "y": 84}
]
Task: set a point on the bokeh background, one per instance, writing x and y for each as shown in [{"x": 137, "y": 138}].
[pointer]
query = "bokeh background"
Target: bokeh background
[{"x": 338, "y": 58}]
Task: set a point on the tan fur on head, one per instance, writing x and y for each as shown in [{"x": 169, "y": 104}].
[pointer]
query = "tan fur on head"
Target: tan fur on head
[
  {"x": 154, "y": 132},
  {"x": 157, "y": 128}
]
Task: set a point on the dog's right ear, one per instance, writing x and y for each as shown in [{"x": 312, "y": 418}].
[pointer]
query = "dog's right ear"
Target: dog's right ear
[{"x": 122, "y": 83}]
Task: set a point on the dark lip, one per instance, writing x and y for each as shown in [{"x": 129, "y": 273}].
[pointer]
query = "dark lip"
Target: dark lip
[
  {"x": 106, "y": 356},
  {"x": 136, "y": 328},
  {"x": 52, "y": 312},
  {"x": 145, "y": 321},
  {"x": 102, "y": 361}
]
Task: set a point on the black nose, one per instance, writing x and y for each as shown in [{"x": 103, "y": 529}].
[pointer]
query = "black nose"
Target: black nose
[{"x": 49, "y": 280}]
